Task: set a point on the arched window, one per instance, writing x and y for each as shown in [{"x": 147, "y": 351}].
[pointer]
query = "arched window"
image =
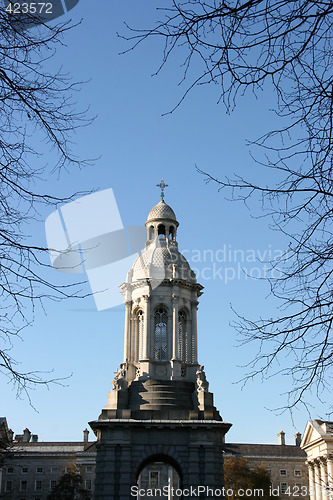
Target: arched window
[
  {"x": 182, "y": 336},
  {"x": 171, "y": 233},
  {"x": 161, "y": 231},
  {"x": 140, "y": 334},
  {"x": 151, "y": 232},
  {"x": 161, "y": 334}
]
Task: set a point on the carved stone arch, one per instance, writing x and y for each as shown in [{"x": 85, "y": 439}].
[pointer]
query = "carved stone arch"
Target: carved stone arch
[
  {"x": 139, "y": 320},
  {"x": 159, "y": 457},
  {"x": 171, "y": 232},
  {"x": 136, "y": 309},
  {"x": 186, "y": 310},
  {"x": 161, "y": 231},
  {"x": 166, "y": 471},
  {"x": 151, "y": 232},
  {"x": 163, "y": 306}
]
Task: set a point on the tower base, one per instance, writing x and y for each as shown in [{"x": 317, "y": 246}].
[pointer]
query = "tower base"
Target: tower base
[{"x": 190, "y": 449}]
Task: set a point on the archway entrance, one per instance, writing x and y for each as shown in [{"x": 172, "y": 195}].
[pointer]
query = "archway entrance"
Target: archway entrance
[{"x": 159, "y": 479}]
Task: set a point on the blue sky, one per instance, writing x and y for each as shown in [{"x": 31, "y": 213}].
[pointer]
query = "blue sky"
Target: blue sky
[{"x": 136, "y": 147}]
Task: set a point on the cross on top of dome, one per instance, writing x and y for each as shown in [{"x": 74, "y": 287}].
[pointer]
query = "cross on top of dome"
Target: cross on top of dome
[{"x": 162, "y": 186}]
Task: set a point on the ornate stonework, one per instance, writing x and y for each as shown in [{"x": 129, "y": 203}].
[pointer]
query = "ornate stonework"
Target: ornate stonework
[
  {"x": 160, "y": 393},
  {"x": 317, "y": 442}
]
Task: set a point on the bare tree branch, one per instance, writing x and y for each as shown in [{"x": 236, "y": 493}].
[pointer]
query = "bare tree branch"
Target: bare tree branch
[{"x": 34, "y": 103}]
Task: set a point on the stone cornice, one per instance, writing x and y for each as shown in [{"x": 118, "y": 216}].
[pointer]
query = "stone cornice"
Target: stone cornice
[
  {"x": 128, "y": 422},
  {"x": 173, "y": 281},
  {"x": 19, "y": 454}
]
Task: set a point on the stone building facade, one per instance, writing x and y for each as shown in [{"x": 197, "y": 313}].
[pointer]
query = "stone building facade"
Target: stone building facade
[
  {"x": 285, "y": 463},
  {"x": 38, "y": 466},
  {"x": 317, "y": 442},
  {"x": 32, "y": 469}
]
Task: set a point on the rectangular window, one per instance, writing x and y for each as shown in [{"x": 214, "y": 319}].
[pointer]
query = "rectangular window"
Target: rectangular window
[
  {"x": 269, "y": 471},
  {"x": 54, "y": 470},
  {"x": 9, "y": 486},
  {"x": 283, "y": 472},
  {"x": 88, "y": 484},
  {"x": 24, "y": 470},
  {"x": 38, "y": 485},
  {"x": 10, "y": 470},
  {"x": 154, "y": 479},
  {"x": 284, "y": 487},
  {"x": 89, "y": 469},
  {"x": 23, "y": 485},
  {"x": 298, "y": 473},
  {"x": 39, "y": 470},
  {"x": 53, "y": 484}
]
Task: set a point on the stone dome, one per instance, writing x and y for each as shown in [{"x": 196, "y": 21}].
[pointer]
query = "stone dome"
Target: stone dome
[
  {"x": 161, "y": 262},
  {"x": 161, "y": 211}
]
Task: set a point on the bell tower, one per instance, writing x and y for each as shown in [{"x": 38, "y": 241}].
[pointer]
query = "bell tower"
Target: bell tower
[{"x": 159, "y": 427}]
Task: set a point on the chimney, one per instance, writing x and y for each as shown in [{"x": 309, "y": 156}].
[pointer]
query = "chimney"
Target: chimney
[
  {"x": 26, "y": 436},
  {"x": 85, "y": 435},
  {"x": 282, "y": 438},
  {"x": 11, "y": 435},
  {"x": 298, "y": 439}
]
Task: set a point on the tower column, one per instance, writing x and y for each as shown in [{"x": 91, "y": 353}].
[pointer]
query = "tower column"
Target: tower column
[
  {"x": 194, "y": 334},
  {"x": 134, "y": 329},
  {"x": 175, "y": 336},
  {"x": 127, "y": 330},
  {"x": 146, "y": 336}
]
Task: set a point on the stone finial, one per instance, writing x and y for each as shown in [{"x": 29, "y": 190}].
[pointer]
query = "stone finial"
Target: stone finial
[
  {"x": 282, "y": 438},
  {"x": 298, "y": 439}
]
